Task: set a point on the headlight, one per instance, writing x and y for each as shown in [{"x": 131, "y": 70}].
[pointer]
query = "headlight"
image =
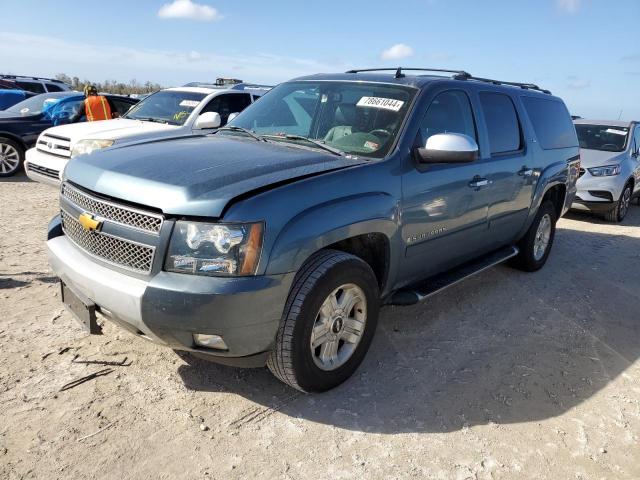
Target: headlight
[
  {"x": 88, "y": 146},
  {"x": 606, "y": 171},
  {"x": 215, "y": 249}
]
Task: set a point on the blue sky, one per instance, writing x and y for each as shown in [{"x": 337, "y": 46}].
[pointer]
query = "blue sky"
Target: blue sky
[{"x": 586, "y": 51}]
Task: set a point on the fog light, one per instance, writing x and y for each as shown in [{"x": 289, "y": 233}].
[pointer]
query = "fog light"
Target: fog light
[{"x": 209, "y": 341}]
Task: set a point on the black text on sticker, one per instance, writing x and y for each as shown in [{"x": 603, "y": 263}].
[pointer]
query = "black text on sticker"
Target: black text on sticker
[{"x": 378, "y": 102}]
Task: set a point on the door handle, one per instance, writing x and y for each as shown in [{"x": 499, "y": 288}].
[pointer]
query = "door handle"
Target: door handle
[
  {"x": 478, "y": 182},
  {"x": 525, "y": 172}
]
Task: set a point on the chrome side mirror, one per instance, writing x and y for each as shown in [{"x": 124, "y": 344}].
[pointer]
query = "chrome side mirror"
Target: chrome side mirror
[{"x": 448, "y": 148}]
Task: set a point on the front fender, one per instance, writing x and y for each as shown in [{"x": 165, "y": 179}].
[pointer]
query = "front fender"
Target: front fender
[{"x": 322, "y": 225}]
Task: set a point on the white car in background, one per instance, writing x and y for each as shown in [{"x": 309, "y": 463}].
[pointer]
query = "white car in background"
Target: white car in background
[
  {"x": 173, "y": 112},
  {"x": 610, "y": 161}
]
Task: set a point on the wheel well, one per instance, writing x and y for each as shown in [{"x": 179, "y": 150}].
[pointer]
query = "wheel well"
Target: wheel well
[
  {"x": 373, "y": 248},
  {"x": 557, "y": 195},
  {"x": 15, "y": 138}
]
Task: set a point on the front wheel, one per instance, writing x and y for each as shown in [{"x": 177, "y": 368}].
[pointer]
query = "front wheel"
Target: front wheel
[
  {"x": 536, "y": 245},
  {"x": 11, "y": 157},
  {"x": 619, "y": 211},
  {"x": 328, "y": 322}
]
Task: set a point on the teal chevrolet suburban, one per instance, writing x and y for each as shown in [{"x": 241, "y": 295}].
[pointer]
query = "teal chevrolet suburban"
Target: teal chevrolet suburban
[{"x": 276, "y": 240}]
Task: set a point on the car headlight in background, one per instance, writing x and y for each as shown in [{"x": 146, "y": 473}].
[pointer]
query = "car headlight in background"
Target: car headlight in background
[
  {"x": 215, "y": 249},
  {"x": 88, "y": 146},
  {"x": 606, "y": 171}
]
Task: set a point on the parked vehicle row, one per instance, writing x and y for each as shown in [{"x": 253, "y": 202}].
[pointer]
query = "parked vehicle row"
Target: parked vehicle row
[
  {"x": 21, "y": 124},
  {"x": 173, "y": 112},
  {"x": 275, "y": 239}
]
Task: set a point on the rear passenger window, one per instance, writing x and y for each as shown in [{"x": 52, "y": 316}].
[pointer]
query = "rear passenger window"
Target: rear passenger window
[
  {"x": 551, "y": 122},
  {"x": 503, "y": 126},
  {"x": 53, "y": 88},
  {"x": 450, "y": 112},
  {"x": 31, "y": 86}
]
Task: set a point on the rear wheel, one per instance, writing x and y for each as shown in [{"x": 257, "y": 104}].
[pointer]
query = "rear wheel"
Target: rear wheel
[
  {"x": 536, "y": 245},
  {"x": 11, "y": 157},
  {"x": 619, "y": 211},
  {"x": 328, "y": 322}
]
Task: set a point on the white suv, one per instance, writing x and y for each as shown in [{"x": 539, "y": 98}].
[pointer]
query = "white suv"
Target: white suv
[
  {"x": 172, "y": 112},
  {"x": 610, "y": 161}
]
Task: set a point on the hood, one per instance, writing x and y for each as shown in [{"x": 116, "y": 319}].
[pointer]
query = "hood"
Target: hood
[
  {"x": 598, "y": 158},
  {"x": 16, "y": 117},
  {"x": 119, "y": 129},
  {"x": 197, "y": 176}
]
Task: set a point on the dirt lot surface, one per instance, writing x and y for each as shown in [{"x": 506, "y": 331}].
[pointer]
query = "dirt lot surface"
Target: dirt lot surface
[{"x": 507, "y": 375}]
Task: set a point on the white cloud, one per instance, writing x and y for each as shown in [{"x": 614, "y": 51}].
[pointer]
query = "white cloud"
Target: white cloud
[
  {"x": 569, "y": 6},
  {"x": 396, "y": 52},
  {"x": 51, "y": 55},
  {"x": 577, "y": 83},
  {"x": 188, "y": 9}
]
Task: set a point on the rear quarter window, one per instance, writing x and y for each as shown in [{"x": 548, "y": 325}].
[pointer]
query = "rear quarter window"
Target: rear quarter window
[
  {"x": 502, "y": 122},
  {"x": 551, "y": 122}
]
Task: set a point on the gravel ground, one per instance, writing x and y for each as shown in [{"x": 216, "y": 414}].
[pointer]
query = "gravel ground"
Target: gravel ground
[{"x": 506, "y": 375}]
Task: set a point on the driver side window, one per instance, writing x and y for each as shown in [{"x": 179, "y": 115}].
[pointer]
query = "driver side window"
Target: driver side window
[{"x": 450, "y": 112}]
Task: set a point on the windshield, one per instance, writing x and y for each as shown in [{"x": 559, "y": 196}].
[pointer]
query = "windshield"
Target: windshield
[
  {"x": 167, "y": 106},
  {"x": 602, "y": 137},
  {"x": 355, "y": 118},
  {"x": 39, "y": 103}
]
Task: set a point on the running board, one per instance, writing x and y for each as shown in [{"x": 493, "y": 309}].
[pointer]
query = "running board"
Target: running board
[{"x": 420, "y": 291}]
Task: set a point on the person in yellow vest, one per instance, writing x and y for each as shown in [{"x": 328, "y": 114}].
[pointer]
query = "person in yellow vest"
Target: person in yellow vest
[{"x": 95, "y": 107}]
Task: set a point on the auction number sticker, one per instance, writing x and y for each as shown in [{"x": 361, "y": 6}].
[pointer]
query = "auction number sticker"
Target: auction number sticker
[
  {"x": 189, "y": 103},
  {"x": 383, "y": 103}
]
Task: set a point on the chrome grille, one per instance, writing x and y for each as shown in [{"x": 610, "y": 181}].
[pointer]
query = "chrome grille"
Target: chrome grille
[
  {"x": 54, "y": 145},
  {"x": 118, "y": 213},
  {"x": 114, "y": 250}
]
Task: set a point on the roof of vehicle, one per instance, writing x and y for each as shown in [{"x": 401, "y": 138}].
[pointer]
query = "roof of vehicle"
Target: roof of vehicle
[
  {"x": 203, "y": 90},
  {"x": 28, "y": 77},
  {"x": 609, "y": 123},
  {"x": 401, "y": 77}
]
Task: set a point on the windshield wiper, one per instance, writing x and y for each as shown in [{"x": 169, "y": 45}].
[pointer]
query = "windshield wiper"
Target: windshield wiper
[
  {"x": 233, "y": 128},
  {"x": 317, "y": 143},
  {"x": 149, "y": 119}
]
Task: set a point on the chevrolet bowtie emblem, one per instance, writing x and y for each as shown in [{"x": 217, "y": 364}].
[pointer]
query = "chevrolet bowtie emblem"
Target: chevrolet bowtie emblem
[{"x": 89, "y": 223}]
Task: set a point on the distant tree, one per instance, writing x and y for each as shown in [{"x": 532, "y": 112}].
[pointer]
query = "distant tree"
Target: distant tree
[{"x": 111, "y": 86}]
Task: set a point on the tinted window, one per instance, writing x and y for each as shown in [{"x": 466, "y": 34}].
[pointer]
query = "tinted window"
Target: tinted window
[
  {"x": 227, "y": 104},
  {"x": 450, "y": 112},
  {"x": 551, "y": 122},
  {"x": 502, "y": 122},
  {"x": 637, "y": 137},
  {"x": 602, "y": 137},
  {"x": 31, "y": 86},
  {"x": 122, "y": 106},
  {"x": 53, "y": 88}
]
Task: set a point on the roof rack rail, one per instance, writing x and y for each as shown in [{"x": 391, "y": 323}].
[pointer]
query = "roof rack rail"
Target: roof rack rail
[
  {"x": 30, "y": 77},
  {"x": 457, "y": 75},
  {"x": 526, "y": 86}
]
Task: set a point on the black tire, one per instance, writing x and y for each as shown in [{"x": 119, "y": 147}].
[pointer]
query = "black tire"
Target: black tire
[
  {"x": 291, "y": 360},
  {"x": 7, "y": 167},
  {"x": 526, "y": 260},
  {"x": 621, "y": 207}
]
